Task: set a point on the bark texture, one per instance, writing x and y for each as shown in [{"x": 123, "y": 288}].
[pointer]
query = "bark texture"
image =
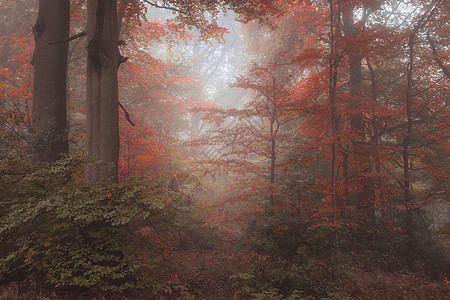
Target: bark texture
[
  {"x": 406, "y": 143},
  {"x": 102, "y": 91},
  {"x": 49, "y": 120},
  {"x": 361, "y": 163}
]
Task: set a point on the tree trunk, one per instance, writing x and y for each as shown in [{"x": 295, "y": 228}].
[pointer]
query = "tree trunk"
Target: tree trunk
[
  {"x": 361, "y": 163},
  {"x": 49, "y": 120},
  {"x": 378, "y": 205},
  {"x": 272, "y": 115},
  {"x": 102, "y": 91},
  {"x": 355, "y": 66},
  {"x": 405, "y": 145},
  {"x": 333, "y": 76}
]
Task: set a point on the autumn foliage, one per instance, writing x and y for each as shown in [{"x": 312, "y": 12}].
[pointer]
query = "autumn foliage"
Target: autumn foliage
[{"x": 315, "y": 172}]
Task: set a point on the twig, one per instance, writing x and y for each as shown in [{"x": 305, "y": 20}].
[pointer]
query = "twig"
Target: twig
[{"x": 163, "y": 7}]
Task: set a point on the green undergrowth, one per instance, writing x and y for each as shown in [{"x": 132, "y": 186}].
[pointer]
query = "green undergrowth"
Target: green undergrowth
[
  {"x": 59, "y": 231},
  {"x": 63, "y": 239},
  {"x": 334, "y": 277}
]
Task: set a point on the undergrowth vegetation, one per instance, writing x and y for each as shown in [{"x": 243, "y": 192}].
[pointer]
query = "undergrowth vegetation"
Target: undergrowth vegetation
[
  {"x": 60, "y": 238},
  {"x": 58, "y": 230}
]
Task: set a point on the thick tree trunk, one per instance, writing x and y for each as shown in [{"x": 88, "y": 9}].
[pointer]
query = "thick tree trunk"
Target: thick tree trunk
[
  {"x": 355, "y": 66},
  {"x": 49, "y": 120},
  {"x": 361, "y": 163},
  {"x": 102, "y": 91}
]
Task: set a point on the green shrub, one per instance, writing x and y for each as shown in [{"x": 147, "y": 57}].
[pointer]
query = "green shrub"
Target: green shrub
[{"x": 56, "y": 228}]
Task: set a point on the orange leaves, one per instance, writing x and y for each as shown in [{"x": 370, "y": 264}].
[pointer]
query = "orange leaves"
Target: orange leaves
[
  {"x": 141, "y": 150},
  {"x": 15, "y": 75},
  {"x": 15, "y": 88},
  {"x": 309, "y": 57},
  {"x": 132, "y": 11},
  {"x": 212, "y": 31}
]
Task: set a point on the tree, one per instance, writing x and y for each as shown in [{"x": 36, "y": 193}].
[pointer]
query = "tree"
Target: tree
[
  {"x": 103, "y": 62},
  {"x": 102, "y": 91},
  {"x": 156, "y": 95},
  {"x": 16, "y": 76},
  {"x": 252, "y": 141},
  {"x": 49, "y": 88}
]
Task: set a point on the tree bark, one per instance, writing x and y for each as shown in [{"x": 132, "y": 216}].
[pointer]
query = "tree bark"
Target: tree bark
[
  {"x": 49, "y": 120},
  {"x": 406, "y": 142},
  {"x": 376, "y": 141},
  {"x": 102, "y": 91},
  {"x": 361, "y": 163},
  {"x": 333, "y": 77},
  {"x": 272, "y": 116}
]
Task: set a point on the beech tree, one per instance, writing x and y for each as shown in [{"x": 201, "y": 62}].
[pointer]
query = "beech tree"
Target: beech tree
[
  {"x": 49, "y": 88},
  {"x": 315, "y": 174},
  {"x": 102, "y": 91},
  {"x": 103, "y": 141}
]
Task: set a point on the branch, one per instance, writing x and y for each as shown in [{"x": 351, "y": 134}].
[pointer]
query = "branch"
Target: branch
[
  {"x": 399, "y": 126},
  {"x": 70, "y": 38},
  {"x": 423, "y": 21},
  {"x": 435, "y": 56},
  {"x": 122, "y": 59},
  {"x": 127, "y": 115},
  {"x": 289, "y": 120},
  {"x": 419, "y": 93},
  {"x": 163, "y": 7}
]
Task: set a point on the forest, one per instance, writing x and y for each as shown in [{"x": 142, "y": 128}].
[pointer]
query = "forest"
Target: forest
[{"x": 224, "y": 149}]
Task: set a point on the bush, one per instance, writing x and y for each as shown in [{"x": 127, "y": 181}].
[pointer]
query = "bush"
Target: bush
[{"x": 56, "y": 228}]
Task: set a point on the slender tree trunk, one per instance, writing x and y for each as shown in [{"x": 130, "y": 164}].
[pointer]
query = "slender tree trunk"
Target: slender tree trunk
[
  {"x": 333, "y": 74},
  {"x": 272, "y": 115},
  {"x": 102, "y": 91},
  {"x": 405, "y": 145},
  {"x": 345, "y": 175},
  {"x": 49, "y": 120},
  {"x": 273, "y": 157},
  {"x": 272, "y": 118},
  {"x": 376, "y": 141}
]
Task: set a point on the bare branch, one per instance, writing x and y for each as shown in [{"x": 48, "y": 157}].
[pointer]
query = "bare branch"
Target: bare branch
[
  {"x": 127, "y": 115},
  {"x": 70, "y": 38},
  {"x": 399, "y": 126},
  {"x": 154, "y": 4},
  {"x": 435, "y": 56}
]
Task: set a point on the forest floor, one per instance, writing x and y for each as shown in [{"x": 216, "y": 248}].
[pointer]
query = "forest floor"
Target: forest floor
[{"x": 230, "y": 272}]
